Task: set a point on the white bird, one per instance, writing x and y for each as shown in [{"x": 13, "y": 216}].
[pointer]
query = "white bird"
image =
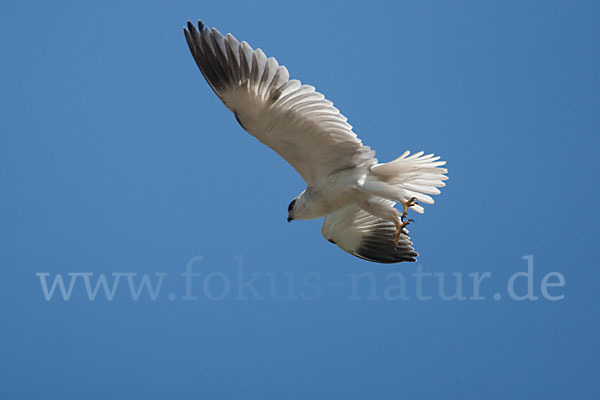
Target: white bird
[{"x": 345, "y": 183}]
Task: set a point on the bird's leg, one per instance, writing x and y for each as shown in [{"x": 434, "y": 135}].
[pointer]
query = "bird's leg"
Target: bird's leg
[
  {"x": 400, "y": 224},
  {"x": 406, "y": 204}
]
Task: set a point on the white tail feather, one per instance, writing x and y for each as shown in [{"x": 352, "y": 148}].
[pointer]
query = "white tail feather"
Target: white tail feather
[{"x": 408, "y": 176}]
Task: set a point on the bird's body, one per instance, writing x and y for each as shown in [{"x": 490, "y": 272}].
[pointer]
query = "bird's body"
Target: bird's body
[
  {"x": 329, "y": 194},
  {"x": 345, "y": 183}
]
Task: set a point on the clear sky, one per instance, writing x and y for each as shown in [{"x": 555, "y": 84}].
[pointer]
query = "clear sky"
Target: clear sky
[{"x": 116, "y": 158}]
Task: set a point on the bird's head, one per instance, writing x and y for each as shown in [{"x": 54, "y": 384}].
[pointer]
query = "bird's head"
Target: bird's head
[
  {"x": 290, "y": 217},
  {"x": 300, "y": 207}
]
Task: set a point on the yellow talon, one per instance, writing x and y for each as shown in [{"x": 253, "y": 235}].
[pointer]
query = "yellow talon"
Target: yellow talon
[
  {"x": 407, "y": 204},
  {"x": 399, "y": 228}
]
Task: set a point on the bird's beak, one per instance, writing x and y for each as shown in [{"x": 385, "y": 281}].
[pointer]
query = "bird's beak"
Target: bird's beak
[{"x": 290, "y": 219}]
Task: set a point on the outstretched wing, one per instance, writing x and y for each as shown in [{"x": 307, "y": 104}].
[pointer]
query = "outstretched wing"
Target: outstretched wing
[
  {"x": 293, "y": 119},
  {"x": 366, "y": 236}
]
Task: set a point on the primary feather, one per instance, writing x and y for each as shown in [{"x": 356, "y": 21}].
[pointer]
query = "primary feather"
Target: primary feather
[{"x": 293, "y": 119}]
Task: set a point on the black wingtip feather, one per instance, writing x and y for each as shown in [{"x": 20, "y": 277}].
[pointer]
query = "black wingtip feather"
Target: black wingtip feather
[
  {"x": 385, "y": 259},
  {"x": 208, "y": 56},
  {"x": 384, "y": 251}
]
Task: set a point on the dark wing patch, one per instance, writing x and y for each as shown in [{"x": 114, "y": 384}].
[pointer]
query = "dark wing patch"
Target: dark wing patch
[
  {"x": 365, "y": 236},
  {"x": 378, "y": 246},
  {"x": 237, "y": 118}
]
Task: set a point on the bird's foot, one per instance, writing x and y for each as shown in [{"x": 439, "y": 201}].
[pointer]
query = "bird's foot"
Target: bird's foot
[
  {"x": 400, "y": 224},
  {"x": 406, "y": 205}
]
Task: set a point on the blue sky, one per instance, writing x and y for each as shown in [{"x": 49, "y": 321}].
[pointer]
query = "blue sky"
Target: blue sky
[{"x": 117, "y": 158}]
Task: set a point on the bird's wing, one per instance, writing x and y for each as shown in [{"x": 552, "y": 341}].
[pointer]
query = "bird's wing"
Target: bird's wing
[
  {"x": 293, "y": 119},
  {"x": 366, "y": 236}
]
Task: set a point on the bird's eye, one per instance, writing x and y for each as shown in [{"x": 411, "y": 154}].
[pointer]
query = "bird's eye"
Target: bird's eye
[{"x": 291, "y": 205}]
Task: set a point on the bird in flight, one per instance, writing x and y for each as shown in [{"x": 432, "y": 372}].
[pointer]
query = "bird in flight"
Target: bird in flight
[{"x": 346, "y": 184}]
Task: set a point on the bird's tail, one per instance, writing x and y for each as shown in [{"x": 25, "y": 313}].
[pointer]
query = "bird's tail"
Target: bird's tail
[{"x": 408, "y": 176}]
